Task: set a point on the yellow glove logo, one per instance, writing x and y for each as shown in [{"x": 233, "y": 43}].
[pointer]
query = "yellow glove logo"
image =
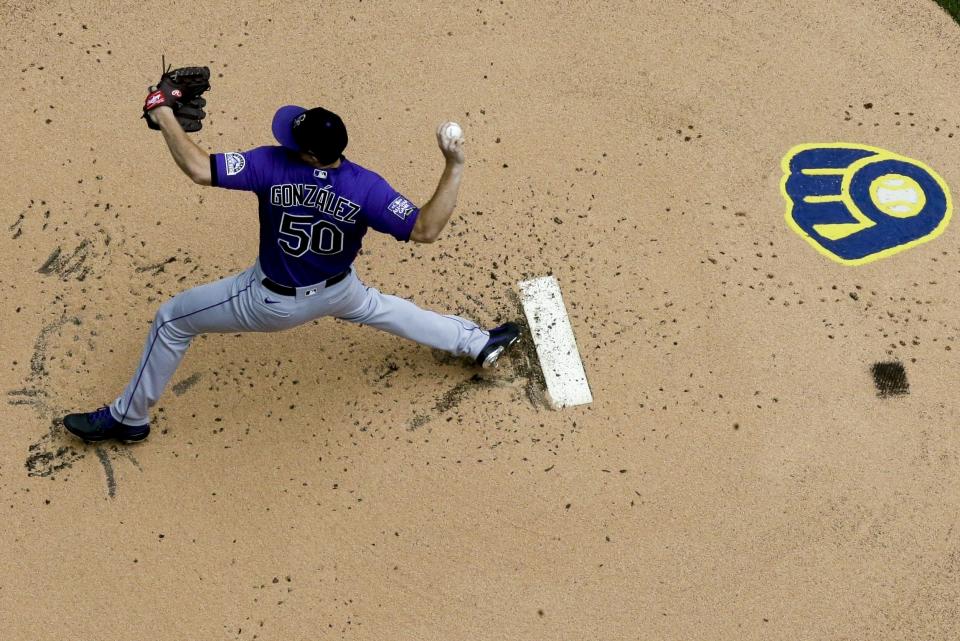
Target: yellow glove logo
[{"x": 856, "y": 204}]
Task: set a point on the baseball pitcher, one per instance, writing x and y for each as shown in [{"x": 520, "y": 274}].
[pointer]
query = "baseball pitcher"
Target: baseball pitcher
[{"x": 315, "y": 206}]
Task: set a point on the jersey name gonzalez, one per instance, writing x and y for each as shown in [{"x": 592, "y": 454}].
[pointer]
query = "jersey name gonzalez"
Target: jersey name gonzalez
[
  {"x": 312, "y": 221},
  {"x": 314, "y": 197}
]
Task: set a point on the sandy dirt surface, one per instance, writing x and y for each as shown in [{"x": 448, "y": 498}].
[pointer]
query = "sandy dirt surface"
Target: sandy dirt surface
[{"x": 737, "y": 476}]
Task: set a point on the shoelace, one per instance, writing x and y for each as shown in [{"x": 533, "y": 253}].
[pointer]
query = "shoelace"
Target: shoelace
[{"x": 102, "y": 417}]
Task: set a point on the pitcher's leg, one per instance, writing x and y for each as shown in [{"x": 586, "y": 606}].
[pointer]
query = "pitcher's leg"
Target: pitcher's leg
[
  {"x": 458, "y": 336},
  {"x": 214, "y": 307}
]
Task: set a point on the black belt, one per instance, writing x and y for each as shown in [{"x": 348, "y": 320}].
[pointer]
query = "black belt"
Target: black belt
[{"x": 283, "y": 290}]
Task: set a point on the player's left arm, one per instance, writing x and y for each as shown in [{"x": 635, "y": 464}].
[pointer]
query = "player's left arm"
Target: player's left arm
[{"x": 191, "y": 159}]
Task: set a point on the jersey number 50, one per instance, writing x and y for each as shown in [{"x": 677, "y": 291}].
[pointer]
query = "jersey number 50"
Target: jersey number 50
[{"x": 300, "y": 234}]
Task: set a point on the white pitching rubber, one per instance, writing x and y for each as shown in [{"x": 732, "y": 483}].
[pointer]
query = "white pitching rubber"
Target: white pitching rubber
[{"x": 556, "y": 345}]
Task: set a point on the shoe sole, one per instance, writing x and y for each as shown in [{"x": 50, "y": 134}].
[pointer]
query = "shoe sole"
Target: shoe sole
[
  {"x": 122, "y": 439},
  {"x": 492, "y": 357},
  {"x": 88, "y": 440}
]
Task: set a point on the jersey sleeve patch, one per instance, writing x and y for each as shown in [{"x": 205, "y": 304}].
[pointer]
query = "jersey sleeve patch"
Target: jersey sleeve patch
[
  {"x": 248, "y": 170},
  {"x": 401, "y": 207},
  {"x": 235, "y": 163}
]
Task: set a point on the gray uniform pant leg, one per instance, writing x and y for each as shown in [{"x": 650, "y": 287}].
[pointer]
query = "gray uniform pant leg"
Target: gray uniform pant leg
[
  {"x": 239, "y": 304},
  {"x": 368, "y": 306},
  {"x": 227, "y": 305}
]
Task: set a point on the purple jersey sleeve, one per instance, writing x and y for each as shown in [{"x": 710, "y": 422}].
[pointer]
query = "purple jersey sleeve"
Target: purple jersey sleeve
[
  {"x": 387, "y": 211},
  {"x": 243, "y": 170}
]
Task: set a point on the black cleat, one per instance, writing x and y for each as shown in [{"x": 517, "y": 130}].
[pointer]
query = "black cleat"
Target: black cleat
[
  {"x": 500, "y": 339},
  {"x": 100, "y": 425}
]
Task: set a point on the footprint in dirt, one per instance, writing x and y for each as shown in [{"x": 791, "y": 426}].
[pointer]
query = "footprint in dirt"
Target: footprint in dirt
[{"x": 56, "y": 452}]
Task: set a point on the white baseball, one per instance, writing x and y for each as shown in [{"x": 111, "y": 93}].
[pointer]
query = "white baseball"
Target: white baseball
[{"x": 453, "y": 131}]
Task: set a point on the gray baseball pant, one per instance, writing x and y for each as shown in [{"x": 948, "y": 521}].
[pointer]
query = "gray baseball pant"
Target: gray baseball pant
[{"x": 241, "y": 303}]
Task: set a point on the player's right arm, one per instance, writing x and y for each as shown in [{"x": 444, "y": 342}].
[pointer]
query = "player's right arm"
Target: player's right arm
[
  {"x": 191, "y": 159},
  {"x": 435, "y": 214}
]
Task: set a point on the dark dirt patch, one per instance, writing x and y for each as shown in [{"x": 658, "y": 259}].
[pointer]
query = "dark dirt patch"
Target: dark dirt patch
[
  {"x": 16, "y": 227},
  {"x": 68, "y": 266},
  {"x": 180, "y": 388},
  {"x": 50, "y": 454},
  {"x": 890, "y": 379},
  {"x": 523, "y": 356},
  {"x": 451, "y": 398},
  {"x": 390, "y": 369}
]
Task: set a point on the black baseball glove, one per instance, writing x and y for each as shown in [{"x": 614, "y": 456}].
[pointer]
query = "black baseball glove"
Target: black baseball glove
[{"x": 182, "y": 90}]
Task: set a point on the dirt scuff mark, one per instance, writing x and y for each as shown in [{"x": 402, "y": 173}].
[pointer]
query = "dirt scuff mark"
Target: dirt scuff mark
[
  {"x": 182, "y": 387},
  {"x": 108, "y": 471},
  {"x": 68, "y": 266},
  {"x": 452, "y": 398},
  {"x": 49, "y": 455}
]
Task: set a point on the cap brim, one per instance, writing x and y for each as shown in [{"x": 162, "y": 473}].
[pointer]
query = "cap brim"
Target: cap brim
[{"x": 283, "y": 125}]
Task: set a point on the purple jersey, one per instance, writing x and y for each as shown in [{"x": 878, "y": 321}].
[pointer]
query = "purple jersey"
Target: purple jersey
[{"x": 312, "y": 221}]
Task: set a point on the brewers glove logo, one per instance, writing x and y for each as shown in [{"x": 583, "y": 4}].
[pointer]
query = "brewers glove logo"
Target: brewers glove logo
[{"x": 856, "y": 203}]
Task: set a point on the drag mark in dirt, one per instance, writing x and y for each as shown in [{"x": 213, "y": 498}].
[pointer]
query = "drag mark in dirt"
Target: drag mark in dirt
[
  {"x": 157, "y": 268},
  {"x": 519, "y": 363},
  {"x": 68, "y": 266},
  {"x": 56, "y": 451},
  {"x": 108, "y": 471},
  {"x": 180, "y": 388},
  {"x": 524, "y": 357},
  {"x": 391, "y": 368},
  {"x": 26, "y": 396},
  {"x": 39, "y": 357},
  {"x": 16, "y": 226},
  {"x": 124, "y": 451},
  {"x": 451, "y": 398},
  {"x": 527, "y": 366},
  {"x": 50, "y": 455}
]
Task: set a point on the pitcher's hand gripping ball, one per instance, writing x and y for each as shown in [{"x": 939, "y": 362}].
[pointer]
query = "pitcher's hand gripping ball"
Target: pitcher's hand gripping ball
[
  {"x": 452, "y": 131},
  {"x": 182, "y": 90},
  {"x": 450, "y": 139}
]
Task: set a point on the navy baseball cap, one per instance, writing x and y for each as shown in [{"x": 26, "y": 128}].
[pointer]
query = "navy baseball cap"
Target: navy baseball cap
[{"x": 316, "y": 131}]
